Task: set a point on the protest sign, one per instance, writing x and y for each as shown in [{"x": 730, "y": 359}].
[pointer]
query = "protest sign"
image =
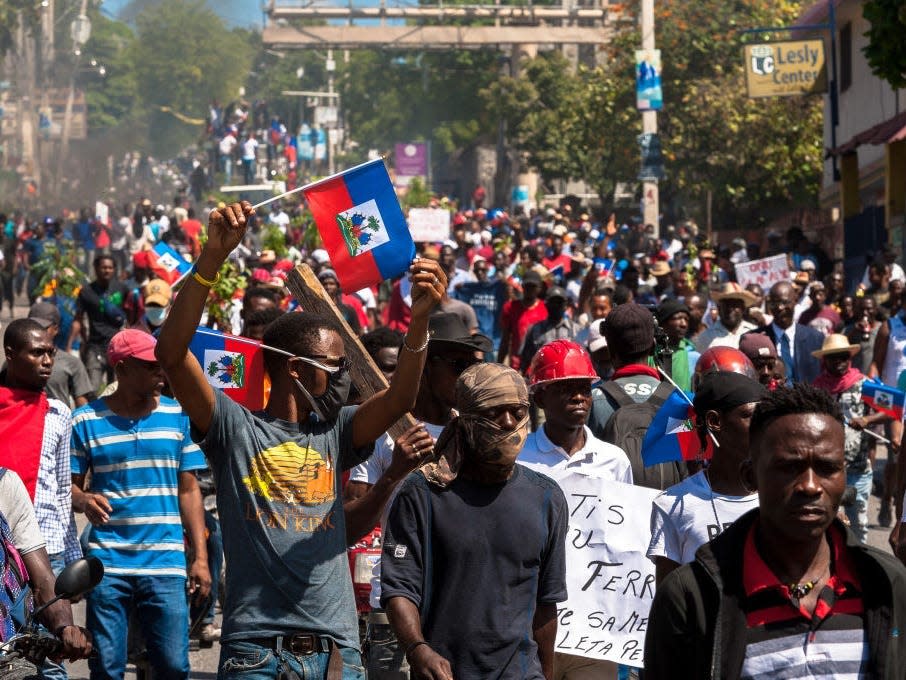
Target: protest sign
[
  {"x": 429, "y": 225},
  {"x": 765, "y": 272},
  {"x": 102, "y": 212},
  {"x": 609, "y": 580}
]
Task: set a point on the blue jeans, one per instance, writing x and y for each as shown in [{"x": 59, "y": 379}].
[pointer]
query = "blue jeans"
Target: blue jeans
[
  {"x": 857, "y": 513},
  {"x": 51, "y": 670},
  {"x": 243, "y": 660},
  {"x": 163, "y": 612},
  {"x": 215, "y": 563}
]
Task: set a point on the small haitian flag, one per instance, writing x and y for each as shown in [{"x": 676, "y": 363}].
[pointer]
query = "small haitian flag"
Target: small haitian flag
[
  {"x": 168, "y": 264},
  {"x": 362, "y": 225},
  {"x": 232, "y": 364},
  {"x": 884, "y": 399},
  {"x": 672, "y": 435}
]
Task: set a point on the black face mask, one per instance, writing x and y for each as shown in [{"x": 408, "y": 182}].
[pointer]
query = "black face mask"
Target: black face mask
[{"x": 327, "y": 406}]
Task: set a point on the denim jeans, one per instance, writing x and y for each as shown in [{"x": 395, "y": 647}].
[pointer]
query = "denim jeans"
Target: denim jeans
[
  {"x": 385, "y": 658},
  {"x": 163, "y": 612},
  {"x": 51, "y": 670},
  {"x": 857, "y": 513},
  {"x": 215, "y": 563},
  {"x": 243, "y": 660}
]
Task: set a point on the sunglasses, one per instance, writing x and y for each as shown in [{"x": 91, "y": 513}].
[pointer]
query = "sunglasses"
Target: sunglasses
[
  {"x": 458, "y": 365},
  {"x": 341, "y": 367}
]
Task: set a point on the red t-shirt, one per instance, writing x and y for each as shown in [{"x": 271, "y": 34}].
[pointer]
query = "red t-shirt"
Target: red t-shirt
[{"x": 518, "y": 319}]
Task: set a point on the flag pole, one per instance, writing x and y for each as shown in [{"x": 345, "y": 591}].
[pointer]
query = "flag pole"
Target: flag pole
[
  {"x": 204, "y": 330},
  {"x": 688, "y": 400},
  {"x": 869, "y": 432},
  {"x": 314, "y": 184}
]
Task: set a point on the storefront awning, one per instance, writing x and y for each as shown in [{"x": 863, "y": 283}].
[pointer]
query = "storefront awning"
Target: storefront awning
[{"x": 891, "y": 130}]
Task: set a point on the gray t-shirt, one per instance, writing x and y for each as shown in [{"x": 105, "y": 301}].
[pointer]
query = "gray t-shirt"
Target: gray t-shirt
[
  {"x": 284, "y": 532},
  {"x": 68, "y": 380}
]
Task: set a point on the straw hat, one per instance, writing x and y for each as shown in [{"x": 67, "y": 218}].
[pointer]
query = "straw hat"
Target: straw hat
[
  {"x": 836, "y": 343},
  {"x": 733, "y": 291},
  {"x": 660, "y": 268}
]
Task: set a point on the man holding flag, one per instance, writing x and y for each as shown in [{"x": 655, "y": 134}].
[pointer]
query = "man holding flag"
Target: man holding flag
[{"x": 289, "y": 597}]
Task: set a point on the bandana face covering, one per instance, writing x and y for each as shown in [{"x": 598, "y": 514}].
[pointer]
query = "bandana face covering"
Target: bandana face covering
[
  {"x": 494, "y": 444},
  {"x": 327, "y": 406}
]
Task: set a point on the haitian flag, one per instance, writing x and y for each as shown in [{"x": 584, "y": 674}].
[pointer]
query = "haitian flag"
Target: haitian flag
[
  {"x": 884, "y": 399},
  {"x": 232, "y": 364},
  {"x": 168, "y": 264},
  {"x": 362, "y": 225},
  {"x": 672, "y": 435}
]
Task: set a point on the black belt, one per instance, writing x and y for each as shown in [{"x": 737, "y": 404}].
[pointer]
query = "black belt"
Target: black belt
[{"x": 301, "y": 644}]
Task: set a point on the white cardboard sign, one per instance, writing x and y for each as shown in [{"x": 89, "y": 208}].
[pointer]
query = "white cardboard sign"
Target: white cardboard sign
[
  {"x": 429, "y": 225},
  {"x": 609, "y": 580},
  {"x": 765, "y": 272}
]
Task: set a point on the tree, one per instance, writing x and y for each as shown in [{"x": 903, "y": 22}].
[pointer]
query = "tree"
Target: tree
[
  {"x": 11, "y": 12},
  {"x": 573, "y": 125},
  {"x": 111, "y": 98},
  {"x": 185, "y": 58},
  {"x": 886, "y": 49}
]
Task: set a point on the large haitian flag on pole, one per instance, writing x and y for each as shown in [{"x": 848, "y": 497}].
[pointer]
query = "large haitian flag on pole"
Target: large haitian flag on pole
[
  {"x": 232, "y": 364},
  {"x": 362, "y": 225}
]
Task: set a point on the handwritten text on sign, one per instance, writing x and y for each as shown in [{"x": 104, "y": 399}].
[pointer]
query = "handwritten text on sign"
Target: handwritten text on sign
[
  {"x": 765, "y": 272},
  {"x": 429, "y": 225},
  {"x": 609, "y": 580}
]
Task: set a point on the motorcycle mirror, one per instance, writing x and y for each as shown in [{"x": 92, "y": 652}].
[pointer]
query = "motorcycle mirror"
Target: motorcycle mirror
[{"x": 79, "y": 577}]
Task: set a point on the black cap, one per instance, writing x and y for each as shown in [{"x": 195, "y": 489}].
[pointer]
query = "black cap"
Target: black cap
[
  {"x": 45, "y": 314},
  {"x": 668, "y": 308},
  {"x": 447, "y": 331},
  {"x": 629, "y": 329},
  {"x": 724, "y": 390}
]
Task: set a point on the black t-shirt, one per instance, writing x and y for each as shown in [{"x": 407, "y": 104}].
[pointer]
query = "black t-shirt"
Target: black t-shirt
[
  {"x": 104, "y": 309},
  {"x": 476, "y": 560}
]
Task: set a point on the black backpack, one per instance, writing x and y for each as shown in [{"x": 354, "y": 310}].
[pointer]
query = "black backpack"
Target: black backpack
[{"x": 627, "y": 427}]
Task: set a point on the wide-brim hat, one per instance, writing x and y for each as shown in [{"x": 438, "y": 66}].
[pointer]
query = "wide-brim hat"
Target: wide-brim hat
[
  {"x": 733, "y": 291},
  {"x": 447, "y": 331},
  {"x": 836, "y": 343},
  {"x": 660, "y": 268}
]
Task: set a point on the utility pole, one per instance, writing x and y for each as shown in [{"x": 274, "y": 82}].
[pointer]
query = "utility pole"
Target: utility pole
[
  {"x": 650, "y": 198},
  {"x": 81, "y": 32}
]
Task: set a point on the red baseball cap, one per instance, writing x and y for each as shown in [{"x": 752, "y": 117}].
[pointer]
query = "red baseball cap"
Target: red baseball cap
[{"x": 131, "y": 343}]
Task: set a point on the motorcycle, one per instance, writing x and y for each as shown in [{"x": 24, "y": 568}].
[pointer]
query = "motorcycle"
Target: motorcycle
[{"x": 33, "y": 644}]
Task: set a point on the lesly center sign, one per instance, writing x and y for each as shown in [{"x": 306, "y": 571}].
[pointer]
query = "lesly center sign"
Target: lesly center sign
[{"x": 785, "y": 69}]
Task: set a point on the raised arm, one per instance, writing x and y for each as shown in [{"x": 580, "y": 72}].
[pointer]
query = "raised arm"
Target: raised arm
[
  {"x": 378, "y": 413},
  {"x": 226, "y": 228}
]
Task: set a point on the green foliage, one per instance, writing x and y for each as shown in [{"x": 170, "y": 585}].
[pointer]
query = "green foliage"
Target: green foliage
[
  {"x": 273, "y": 239},
  {"x": 417, "y": 194},
  {"x": 220, "y": 297},
  {"x": 11, "y": 11},
  {"x": 184, "y": 58},
  {"x": 390, "y": 97},
  {"x": 57, "y": 273},
  {"x": 112, "y": 98},
  {"x": 886, "y": 49}
]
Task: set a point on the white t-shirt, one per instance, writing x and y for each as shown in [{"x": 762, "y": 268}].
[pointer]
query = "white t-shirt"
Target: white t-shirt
[
  {"x": 227, "y": 144},
  {"x": 369, "y": 472},
  {"x": 683, "y": 518},
  {"x": 19, "y": 513},
  {"x": 366, "y": 295},
  {"x": 248, "y": 148},
  {"x": 596, "y": 458}
]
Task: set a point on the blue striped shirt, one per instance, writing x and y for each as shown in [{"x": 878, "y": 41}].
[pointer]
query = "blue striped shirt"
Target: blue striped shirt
[{"x": 135, "y": 464}]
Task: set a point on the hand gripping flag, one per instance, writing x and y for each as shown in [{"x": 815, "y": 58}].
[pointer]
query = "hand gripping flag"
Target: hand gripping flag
[
  {"x": 168, "y": 264},
  {"x": 232, "y": 364},
  {"x": 672, "y": 435},
  {"x": 884, "y": 399},
  {"x": 362, "y": 225}
]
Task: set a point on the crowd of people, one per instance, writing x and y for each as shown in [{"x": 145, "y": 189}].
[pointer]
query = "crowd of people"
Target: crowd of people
[{"x": 524, "y": 348}]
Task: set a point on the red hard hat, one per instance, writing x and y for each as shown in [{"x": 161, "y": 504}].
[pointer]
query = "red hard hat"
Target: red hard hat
[
  {"x": 561, "y": 360},
  {"x": 723, "y": 359}
]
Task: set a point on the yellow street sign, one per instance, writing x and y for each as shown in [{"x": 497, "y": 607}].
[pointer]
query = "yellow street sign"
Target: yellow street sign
[{"x": 786, "y": 69}]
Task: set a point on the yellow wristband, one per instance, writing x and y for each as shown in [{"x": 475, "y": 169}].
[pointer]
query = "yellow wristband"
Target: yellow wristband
[{"x": 203, "y": 281}]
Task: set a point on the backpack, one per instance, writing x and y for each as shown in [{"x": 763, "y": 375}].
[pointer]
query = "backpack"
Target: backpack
[
  {"x": 16, "y": 602},
  {"x": 627, "y": 427}
]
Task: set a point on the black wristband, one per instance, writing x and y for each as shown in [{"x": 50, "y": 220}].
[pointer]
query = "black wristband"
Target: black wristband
[{"x": 413, "y": 646}]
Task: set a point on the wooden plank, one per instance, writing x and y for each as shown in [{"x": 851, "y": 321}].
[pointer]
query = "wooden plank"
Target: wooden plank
[{"x": 366, "y": 376}]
